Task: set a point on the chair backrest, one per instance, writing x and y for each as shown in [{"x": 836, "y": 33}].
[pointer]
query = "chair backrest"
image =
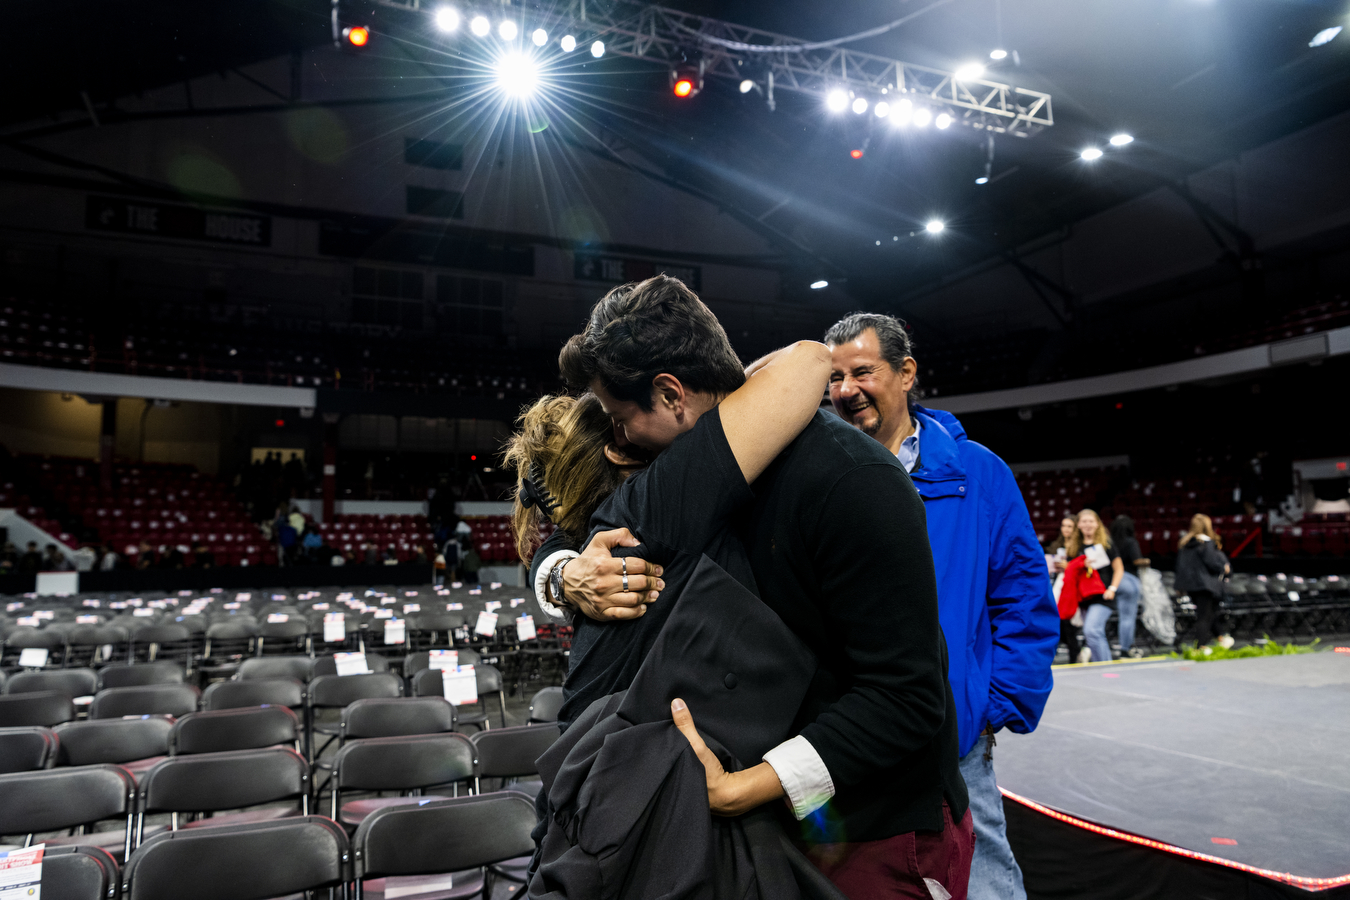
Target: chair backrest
[
  {"x": 171, "y": 633},
  {"x": 402, "y": 763},
  {"x": 148, "y": 700},
  {"x": 331, "y": 691},
  {"x": 56, "y": 799},
  {"x": 26, "y": 749},
  {"x": 239, "y": 862},
  {"x": 221, "y": 730},
  {"x": 421, "y": 661},
  {"x": 71, "y": 682},
  {"x": 384, "y": 717},
  {"x": 268, "y": 692},
  {"x": 325, "y": 665},
  {"x": 291, "y": 628},
  {"x": 36, "y": 708},
  {"x": 79, "y": 872},
  {"x": 112, "y": 740},
  {"x": 140, "y": 674},
  {"x": 231, "y": 631},
  {"x": 444, "y": 835},
  {"x": 512, "y": 752},
  {"x": 545, "y": 705},
  {"x": 210, "y": 782},
  {"x": 267, "y": 667}
]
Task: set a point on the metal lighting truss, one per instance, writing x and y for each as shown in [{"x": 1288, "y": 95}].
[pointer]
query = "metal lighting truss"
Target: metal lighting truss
[{"x": 736, "y": 52}]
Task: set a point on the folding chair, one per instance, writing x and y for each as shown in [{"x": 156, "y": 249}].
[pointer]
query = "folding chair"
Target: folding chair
[
  {"x": 79, "y": 873},
  {"x": 140, "y": 674},
  {"x": 262, "y": 668},
  {"x": 46, "y": 708},
  {"x": 444, "y": 836},
  {"x": 235, "y": 862},
  {"x": 427, "y": 630},
  {"x": 150, "y": 700},
  {"x": 26, "y": 637},
  {"x": 172, "y": 642},
  {"x": 248, "y": 728},
  {"x": 134, "y": 744},
  {"x": 212, "y": 782},
  {"x": 336, "y": 692},
  {"x": 382, "y": 717},
  {"x": 71, "y": 682},
  {"x": 96, "y": 645},
  {"x": 509, "y": 753},
  {"x": 269, "y": 692},
  {"x": 429, "y": 683},
  {"x": 289, "y": 637},
  {"x": 227, "y": 645},
  {"x": 408, "y": 763},
  {"x": 544, "y": 706},
  {"x": 326, "y": 665},
  {"x": 421, "y": 660},
  {"x": 58, "y": 799},
  {"x": 26, "y": 749}
]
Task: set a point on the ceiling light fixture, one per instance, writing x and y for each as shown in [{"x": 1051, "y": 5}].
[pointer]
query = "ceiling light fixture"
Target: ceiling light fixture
[
  {"x": 747, "y": 86},
  {"x": 934, "y": 226},
  {"x": 969, "y": 71},
  {"x": 836, "y": 100},
  {"x": 1325, "y": 36},
  {"x": 480, "y": 26},
  {"x": 447, "y": 18},
  {"x": 1091, "y": 153},
  {"x": 943, "y": 121},
  {"x": 508, "y": 30},
  {"x": 1120, "y": 140},
  {"x": 922, "y": 116},
  {"x": 818, "y": 285},
  {"x": 882, "y": 109},
  {"x": 540, "y": 37},
  {"x": 598, "y": 49},
  {"x": 998, "y": 54},
  {"x": 860, "y": 106},
  {"x": 568, "y": 43}
]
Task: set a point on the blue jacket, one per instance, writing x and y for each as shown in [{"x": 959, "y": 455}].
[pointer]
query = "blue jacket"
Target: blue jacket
[{"x": 997, "y": 613}]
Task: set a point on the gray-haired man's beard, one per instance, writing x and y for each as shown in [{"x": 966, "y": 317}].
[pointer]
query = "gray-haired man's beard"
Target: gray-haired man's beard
[{"x": 871, "y": 429}]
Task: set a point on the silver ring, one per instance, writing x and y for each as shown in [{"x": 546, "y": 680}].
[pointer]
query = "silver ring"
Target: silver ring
[
  {"x": 625, "y": 582},
  {"x": 623, "y": 561}
]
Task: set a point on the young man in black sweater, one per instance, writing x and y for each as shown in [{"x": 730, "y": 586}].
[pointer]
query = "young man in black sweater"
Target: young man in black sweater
[{"x": 839, "y": 550}]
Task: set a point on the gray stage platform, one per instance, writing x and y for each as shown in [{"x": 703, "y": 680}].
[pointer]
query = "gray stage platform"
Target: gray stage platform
[{"x": 1255, "y": 751}]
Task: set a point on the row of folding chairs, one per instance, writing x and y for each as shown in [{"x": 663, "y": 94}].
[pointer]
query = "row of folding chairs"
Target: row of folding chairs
[{"x": 466, "y": 839}]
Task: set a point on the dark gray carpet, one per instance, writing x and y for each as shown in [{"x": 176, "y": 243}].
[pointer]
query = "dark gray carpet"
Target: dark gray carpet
[{"x": 1255, "y": 751}]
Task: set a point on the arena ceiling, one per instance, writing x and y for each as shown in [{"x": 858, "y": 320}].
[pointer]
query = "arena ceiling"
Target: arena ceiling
[{"x": 1195, "y": 81}]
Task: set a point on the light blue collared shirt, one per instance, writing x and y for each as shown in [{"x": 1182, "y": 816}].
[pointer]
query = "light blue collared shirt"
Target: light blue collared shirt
[{"x": 909, "y": 448}]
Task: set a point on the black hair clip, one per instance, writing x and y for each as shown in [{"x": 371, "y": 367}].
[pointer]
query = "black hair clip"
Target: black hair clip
[{"x": 533, "y": 493}]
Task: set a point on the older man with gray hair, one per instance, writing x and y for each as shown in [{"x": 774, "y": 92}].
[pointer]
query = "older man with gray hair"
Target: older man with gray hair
[{"x": 994, "y": 600}]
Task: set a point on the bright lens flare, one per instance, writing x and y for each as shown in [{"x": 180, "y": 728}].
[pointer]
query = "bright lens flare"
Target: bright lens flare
[
  {"x": 447, "y": 19},
  {"x": 836, "y": 100},
  {"x": 819, "y": 285},
  {"x": 684, "y": 87},
  {"x": 943, "y": 121},
  {"x": 598, "y": 49},
  {"x": 480, "y": 26},
  {"x": 1091, "y": 153},
  {"x": 517, "y": 75},
  {"x": 860, "y": 106},
  {"x": 747, "y": 86},
  {"x": 358, "y": 36},
  {"x": 922, "y": 116},
  {"x": 568, "y": 43},
  {"x": 882, "y": 109},
  {"x": 1120, "y": 140},
  {"x": 998, "y": 54},
  {"x": 969, "y": 72},
  {"x": 934, "y": 226},
  {"x": 903, "y": 112},
  {"x": 507, "y": 30},
  {"x": 540, "y": 37}
]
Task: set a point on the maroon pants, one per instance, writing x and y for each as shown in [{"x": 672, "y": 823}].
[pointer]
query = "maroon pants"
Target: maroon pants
[{"x": 898, "y": 866}]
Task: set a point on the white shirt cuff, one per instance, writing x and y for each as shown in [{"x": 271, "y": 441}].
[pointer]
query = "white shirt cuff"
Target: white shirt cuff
[
  {"x": 541, "y": 582},
  {"x": 803, "y": 775}
]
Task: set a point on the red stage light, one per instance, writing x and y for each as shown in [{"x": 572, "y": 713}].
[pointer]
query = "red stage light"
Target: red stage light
[
  {"x": 281, "y": 423},
  {"x": 856, "y": 154},
  {"x": 473, "y": 458},
  {"x": 357, "y": 36},
  {"x": 683, "y": 88}
]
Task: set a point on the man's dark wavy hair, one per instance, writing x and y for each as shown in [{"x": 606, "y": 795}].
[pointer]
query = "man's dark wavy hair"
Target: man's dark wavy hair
[{"x": 639, "y": 330}]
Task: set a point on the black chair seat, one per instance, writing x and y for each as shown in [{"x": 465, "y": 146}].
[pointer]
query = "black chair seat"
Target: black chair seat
[
  {"x": 465, "y": 884},
  {"x": 355, "y": 812},
  {"x": 247, "y": 817}
]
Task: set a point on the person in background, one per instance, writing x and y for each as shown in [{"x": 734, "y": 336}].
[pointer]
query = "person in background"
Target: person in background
[
  {"x": 1201, "y": 566},
  {"x": 1057, "y": 556},
  {"x": 203, "y": 558},
  {"x": 55, "y": 560},
  {"x": 994, "y": 603},
  {"x": 469, "y": 564},
  {"x": 1127, "y": 596},
  {"x": 9, "y": 558},
  {"x": 296, "y": 520},
  {"x": 31, "y": 561},
  {"x": 1091, "y": 539}
]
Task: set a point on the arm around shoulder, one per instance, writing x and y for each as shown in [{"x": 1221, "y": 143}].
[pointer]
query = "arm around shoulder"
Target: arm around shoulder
[{"x": 776, "y": 402}]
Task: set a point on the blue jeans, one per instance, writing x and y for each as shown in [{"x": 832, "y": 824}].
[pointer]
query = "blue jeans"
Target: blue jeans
[
  {"x": 1127, "y": 606},
  {"x": 994, "y": 873},
  {"x": 1094, "y": 631}
]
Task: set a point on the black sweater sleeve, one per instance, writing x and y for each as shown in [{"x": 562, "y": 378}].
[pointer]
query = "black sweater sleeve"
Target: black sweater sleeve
[{"x": 880, "y": 600}]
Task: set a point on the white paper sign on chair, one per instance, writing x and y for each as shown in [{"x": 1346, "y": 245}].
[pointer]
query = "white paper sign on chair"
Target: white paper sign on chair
[
  {"x": 334, "y": 627},
  {"x": 443, "y": 659},
  {"x": 395, "y": 631},
  {"x": 525, "y": 628},
  {"x": 351, "y": 663},
  {"x": 33, "y": 657},
  {"x": 21, "y": 872},
  {"x": 487, "y": 624},
  {"x": 460, "y": 685}
]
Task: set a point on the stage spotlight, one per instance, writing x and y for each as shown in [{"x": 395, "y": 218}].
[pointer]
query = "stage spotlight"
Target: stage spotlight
[
  {"x": 685, "y": 81},
  {"x": 540, "y": 37},
  {"x": 943, "y": 121},
  {"x": 598, "y": 49},
  {"x": 683, "y": 88},
  {"x": 507, "y": 30},
  {"x": 818, "y": 285},
  {"x": 902, "y": 112},
  {"x": 480, "y": 26},
  {"x": 747, "y": 86},
  {"x": 998, "y": 54},
  {"x": 1325, "y": 36},
  {"x": 1091, "y": 153},
  {"x": 922, "y": 116},
  {"x": 860, "y": 106},
  {"x": 882, "y": 109},
  {"x": 517, "y": 74},
  {"x": 934, "y": 226},
  {"x": 983, "y": 179},
  {"x": 836, "y": 100},
  {"x": 1120, "y": 140},
  {"x": 357, "y": 35},
  {"x": 447, "y": 18},
  {"x": 568, "y": 43},
  {"x": 856, "y": 154},
  {"x": 969, "y": 72}
]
